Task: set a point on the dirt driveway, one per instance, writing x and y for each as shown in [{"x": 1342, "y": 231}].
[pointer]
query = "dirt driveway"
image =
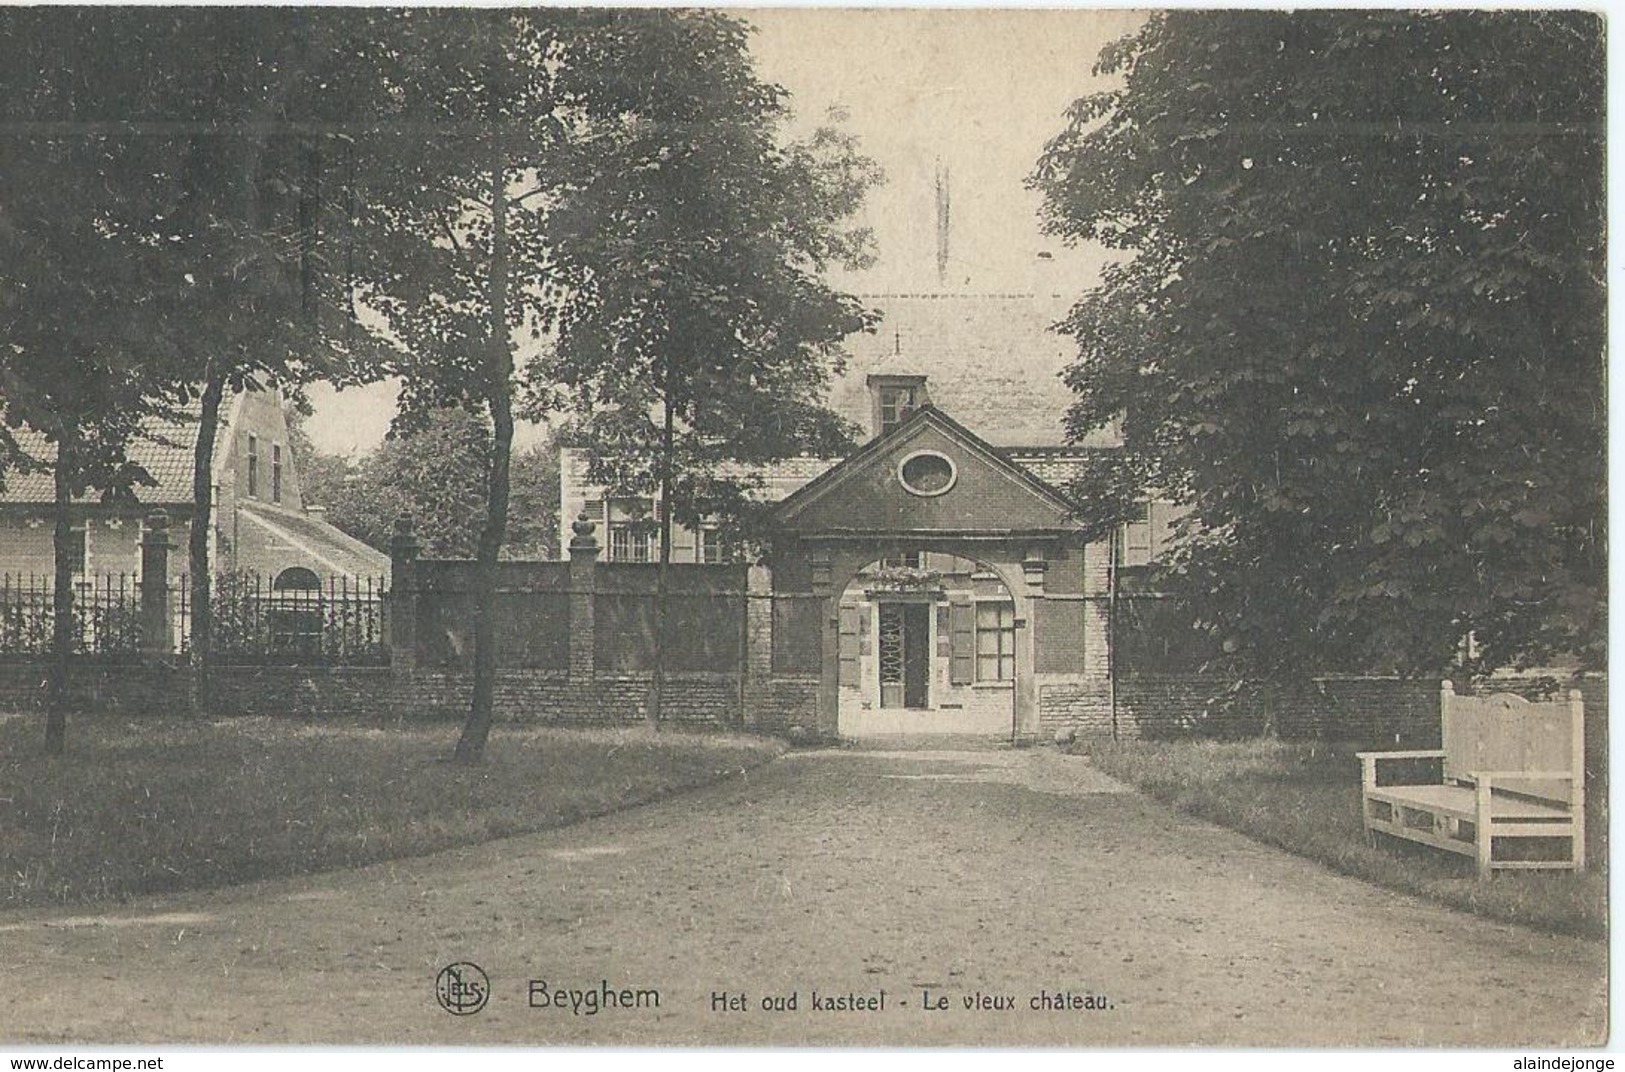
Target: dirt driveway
[{"x": 1019, "y": 877}]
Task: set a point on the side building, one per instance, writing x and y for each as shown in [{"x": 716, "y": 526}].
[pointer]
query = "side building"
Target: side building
[{"x": 261, "y": 525}]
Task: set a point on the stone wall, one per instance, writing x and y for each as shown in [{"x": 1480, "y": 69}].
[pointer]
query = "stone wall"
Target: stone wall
[
  {"x": 104, "y": 685},
  {"x": 1076, "y": 704},
  {"x": 149, "y": 687},
  {"x": 1368, "y": 712},
  {"x": 1371, "y": 711},
  {"x": 538, "y": 696}
]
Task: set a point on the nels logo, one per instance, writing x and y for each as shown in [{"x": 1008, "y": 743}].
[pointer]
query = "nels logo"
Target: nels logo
[{"x": 462, "y": 988}]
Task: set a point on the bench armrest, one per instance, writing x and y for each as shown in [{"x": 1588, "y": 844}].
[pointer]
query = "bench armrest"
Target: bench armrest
[{"x": 1369, "y": 761}]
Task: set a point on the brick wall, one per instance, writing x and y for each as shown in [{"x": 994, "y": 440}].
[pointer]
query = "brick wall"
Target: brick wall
[
  {"x": 305, "y": 692},
  {"x": 1077, "y": 703},
  {"x": 533, "y": 696},
  {"x": 1370, "y": 711},
  {"x": 134, "y": 687},
  {"x": 777, "y": 703},
  {"x": 103, "y": 685}
]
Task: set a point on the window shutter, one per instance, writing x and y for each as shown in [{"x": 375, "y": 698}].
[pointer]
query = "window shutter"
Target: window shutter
[
  {"x": 962, "y": 640},
  {"x": 848, "y": 646}
]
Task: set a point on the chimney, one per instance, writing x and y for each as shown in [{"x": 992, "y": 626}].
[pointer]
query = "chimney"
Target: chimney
[{"x": 943, "y": 220}]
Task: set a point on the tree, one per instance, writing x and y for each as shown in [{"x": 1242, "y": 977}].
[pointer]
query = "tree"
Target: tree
[
  {"x": 1357, "y": 325},
  {"x": 217, "y": 186},
  {"x": 695, "y": 328},
  {"x": 85, "y": 342},
  {"x": 434, "y": 470},
  {"x": 454, "y": 262},
  {"x": 323, "y": 477}
]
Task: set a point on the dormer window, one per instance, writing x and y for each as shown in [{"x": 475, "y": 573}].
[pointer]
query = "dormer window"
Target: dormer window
[
  {"x": 894, "y": 398},
  {"x": 896, "y": 403}
]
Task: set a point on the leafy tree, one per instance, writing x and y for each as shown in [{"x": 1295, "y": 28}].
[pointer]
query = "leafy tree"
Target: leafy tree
[
  {"x": 323, "y": 477},
  {"x": 1357, "y": 324},
  {"x": 434, "y": 471},
  {"x": 695, "y": 328},
  {"x": 213, "y": 178},
  {"x": 86, "y": 343},
  {"x": 453, "y": 260}
]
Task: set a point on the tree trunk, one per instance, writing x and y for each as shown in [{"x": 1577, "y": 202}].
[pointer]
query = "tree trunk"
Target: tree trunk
[
  {"x": 56, "y": 704},
  {"x": 197, "y": 540},
  {"x": 499, "y": 368},
  {"x": 657, "y": 679}
]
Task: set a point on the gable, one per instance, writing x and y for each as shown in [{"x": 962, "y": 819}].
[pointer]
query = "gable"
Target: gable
[{"x": 983, "y": 493}]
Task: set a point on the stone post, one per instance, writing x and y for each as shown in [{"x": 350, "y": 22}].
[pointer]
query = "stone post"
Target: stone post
[
  {"x": 403, "y": 603},
  {"x": 156, "y": 635},
  {"x": 756, "y": 661},
  {"x": 829, "y": 670},
  {"x": 583, "y": 585}
]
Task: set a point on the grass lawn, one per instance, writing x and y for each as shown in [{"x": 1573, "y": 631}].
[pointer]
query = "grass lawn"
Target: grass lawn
[
  {"x": 139, "y": 806},
  {"x": 1306, "y": 799}
]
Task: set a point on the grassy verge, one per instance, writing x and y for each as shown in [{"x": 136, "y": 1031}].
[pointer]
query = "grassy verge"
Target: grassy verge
[
  {"x": 159, "y": 805},
  {"x": 1306, "y": 799}
]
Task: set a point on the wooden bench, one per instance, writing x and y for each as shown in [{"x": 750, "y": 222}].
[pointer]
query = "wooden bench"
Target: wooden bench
[{"x": 1512, "y": 771}]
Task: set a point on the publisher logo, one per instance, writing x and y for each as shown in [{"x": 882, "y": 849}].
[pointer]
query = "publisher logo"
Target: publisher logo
[{"x": 462, "y": 988}]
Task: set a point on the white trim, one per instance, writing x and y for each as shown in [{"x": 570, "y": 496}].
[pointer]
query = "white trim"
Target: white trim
[{"x": 953, "y": 473}]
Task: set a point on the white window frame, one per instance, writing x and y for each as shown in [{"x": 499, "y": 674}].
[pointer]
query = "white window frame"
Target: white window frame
[{"x": 1004, "y": 628}]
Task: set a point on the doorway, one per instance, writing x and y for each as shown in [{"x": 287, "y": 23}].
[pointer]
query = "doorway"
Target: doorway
[{"x": 904, "y": 644}]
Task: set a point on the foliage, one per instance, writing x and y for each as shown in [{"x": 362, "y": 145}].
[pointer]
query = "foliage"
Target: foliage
[
  {"x": 196, "y": 235},
  {"x": 1358, "y": 324},
  {"x": 689, "y": 244},
  {"x": 453, "y": 264},
  {"x": 434, "y": 471},
  {"x": 322, "y": 476}
]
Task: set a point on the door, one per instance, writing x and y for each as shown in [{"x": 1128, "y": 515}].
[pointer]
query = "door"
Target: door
[
  {"x": 905, "y": 654},
  {"x": 916, "y": 655}
]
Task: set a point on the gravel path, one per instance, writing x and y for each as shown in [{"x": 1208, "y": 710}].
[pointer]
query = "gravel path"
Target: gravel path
[{"x": 1009, "y": 874}]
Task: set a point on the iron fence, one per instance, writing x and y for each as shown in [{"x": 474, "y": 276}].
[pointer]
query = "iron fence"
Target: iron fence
[
  {"x": 106, "y": 614},
  {"x": 339, "y": 620}
]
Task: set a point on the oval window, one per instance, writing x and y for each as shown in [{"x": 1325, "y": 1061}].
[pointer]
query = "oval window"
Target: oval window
[{"x": 926, "y": 473}]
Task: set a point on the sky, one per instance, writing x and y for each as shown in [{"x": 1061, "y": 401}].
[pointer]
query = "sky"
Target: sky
[{"x": 975, "y": 93}]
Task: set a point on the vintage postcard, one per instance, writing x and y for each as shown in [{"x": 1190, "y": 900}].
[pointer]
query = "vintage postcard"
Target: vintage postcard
[{"x": 796, "y": 527}]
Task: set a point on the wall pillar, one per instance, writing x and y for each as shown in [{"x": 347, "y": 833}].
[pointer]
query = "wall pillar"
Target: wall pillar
[
  {"x": 156, "y": 637},
  {"x": 829, "y": 662},
  {"x": 1034, "y": 569},
  {"x": 583, "y": 587},
  {"x": 756, "y": 663},
  {"x": 403, "y": 604}
]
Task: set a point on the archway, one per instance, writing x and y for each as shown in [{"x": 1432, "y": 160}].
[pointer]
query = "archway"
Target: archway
[
  {"x": 295, "y": 612},
  {"x": 926, "y": 645}
]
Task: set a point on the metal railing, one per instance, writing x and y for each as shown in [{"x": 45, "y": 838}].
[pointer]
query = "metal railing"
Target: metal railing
[
  {"x": 343, "y": 620},
  {"x": 106, "y": 614}
]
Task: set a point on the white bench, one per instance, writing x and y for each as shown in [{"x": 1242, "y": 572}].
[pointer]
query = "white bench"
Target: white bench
[{"x": 1511, "y": 770}]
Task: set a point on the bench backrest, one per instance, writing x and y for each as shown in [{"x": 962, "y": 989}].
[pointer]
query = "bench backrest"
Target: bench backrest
[{"x": 1503, "y": 732}]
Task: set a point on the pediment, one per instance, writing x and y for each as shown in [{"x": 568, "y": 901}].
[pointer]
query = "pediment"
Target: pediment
[{"x": 929, "y": 475}]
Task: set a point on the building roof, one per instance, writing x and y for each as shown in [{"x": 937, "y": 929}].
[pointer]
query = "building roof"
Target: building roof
[
  {"x": 163, "y": 448},
  {"x": 993, "y": 361},
  {"x": 264, "y": 532}
]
